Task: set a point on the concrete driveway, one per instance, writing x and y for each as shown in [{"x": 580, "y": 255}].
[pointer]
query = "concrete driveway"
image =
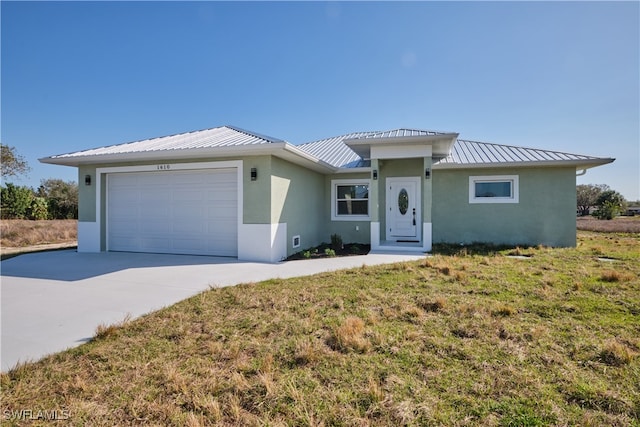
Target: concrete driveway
[{"x": 51, "y": 301}]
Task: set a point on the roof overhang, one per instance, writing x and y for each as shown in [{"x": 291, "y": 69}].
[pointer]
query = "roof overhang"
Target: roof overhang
[
  {"x": 282, "y": 150},
  {"x": 581, "y": 164},
  {"x": 440, "y": 144}
]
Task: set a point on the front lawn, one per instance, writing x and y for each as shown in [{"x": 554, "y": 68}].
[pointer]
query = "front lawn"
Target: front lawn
[{"x": 550, "y": 337}]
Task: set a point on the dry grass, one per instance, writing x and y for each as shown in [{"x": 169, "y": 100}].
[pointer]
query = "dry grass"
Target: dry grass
[
  {"x": 621, "y": 224},
  {"x": 516, "y": 343},
  {"x": 22, "y": 233}
]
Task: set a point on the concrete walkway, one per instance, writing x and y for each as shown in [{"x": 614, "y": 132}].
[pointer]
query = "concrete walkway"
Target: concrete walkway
[{"x": 51, "y": 301}]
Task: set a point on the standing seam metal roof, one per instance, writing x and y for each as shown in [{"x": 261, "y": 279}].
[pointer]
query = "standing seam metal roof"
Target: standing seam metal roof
[
  {"x": 333, "y": 150},
  {"x": 223, "y": 136},
  {"x": 473, "y": 152},
  {"x": 398, "y": 133}
]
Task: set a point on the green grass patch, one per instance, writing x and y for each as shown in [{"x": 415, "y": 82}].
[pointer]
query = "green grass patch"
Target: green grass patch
[{"x": 471, "y": 336}]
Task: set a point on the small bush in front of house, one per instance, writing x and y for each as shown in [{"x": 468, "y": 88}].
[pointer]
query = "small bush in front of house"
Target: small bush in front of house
[
  {"x": 336, "y": 242},
  {"x": 330, "y": 252}
]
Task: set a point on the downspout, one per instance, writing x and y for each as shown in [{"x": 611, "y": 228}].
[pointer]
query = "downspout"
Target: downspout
[{"x": 584, "y": 171}]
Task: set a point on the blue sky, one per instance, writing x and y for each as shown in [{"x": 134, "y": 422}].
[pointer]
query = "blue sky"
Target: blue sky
[{"x": 559, "y": 76}]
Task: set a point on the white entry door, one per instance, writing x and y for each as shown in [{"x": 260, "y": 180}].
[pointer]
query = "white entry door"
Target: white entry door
[{"x": 403, "y": 208}]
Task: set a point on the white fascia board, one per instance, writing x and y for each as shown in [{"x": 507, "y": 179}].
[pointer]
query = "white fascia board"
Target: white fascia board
[
  {"x": 366, "y": 169},
  {"x": 440, "y": 144},
  {"x": 283, "y": 150},
  {"x": 579, "y": 164},
  {"x": 176, "y": 154}
]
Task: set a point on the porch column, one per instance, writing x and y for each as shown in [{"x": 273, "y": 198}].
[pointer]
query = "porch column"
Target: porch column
[{"x": 426, "y": 203}]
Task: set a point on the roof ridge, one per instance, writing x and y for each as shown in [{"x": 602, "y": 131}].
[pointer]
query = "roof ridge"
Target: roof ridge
[
  {"x": 527, "y": 148},
  {"x": 267, "y": 138},
  {"x": 340, "y": 137}
]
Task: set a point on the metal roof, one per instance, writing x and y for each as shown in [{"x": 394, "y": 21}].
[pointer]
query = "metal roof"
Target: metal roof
[
  {"x": 399, "y": 133},
  {"x": 335, "y": 152},
  {"x": 463, "y": 153},
  {"x": 223, "y": 136},
  {"x": 325, "y": 154},
  {"x": 469, "y": 153}
]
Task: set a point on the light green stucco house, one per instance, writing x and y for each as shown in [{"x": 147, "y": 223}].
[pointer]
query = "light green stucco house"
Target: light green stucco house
[{"x": 229, "y": 192}]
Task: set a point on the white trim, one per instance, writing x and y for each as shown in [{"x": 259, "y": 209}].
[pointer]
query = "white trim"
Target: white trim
[
  {"x": 237, "y": 164},
  {"x": 88, "y": 236},
  {"x": 375, "y": 235},
  {"x": 400, "y": 151},
  {"x": 262, "y": 242},
  {"x": 515, "y": 192},
  {"x": 279, "y": 149},
  {"x": 427, "y": 236},
  {"x": 334, "y": 184}
]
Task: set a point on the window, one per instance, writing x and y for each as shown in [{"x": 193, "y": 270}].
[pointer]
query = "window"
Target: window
[
  {"x": 350, "y": 200},
  {"x": 493, "y": 189}
]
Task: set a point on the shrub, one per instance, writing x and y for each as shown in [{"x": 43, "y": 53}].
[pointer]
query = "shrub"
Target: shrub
[
  {"x": 336, "y": 242},
  {"x": 330, "y": 252},
  {"x": 15, "y": 201},
  {"x": 39, "y": 208}
]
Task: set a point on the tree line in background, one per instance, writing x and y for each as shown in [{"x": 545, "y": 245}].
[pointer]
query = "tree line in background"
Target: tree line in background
[
  {"x": 600, "y": 201},
  {"x": 54, "y": 198}
]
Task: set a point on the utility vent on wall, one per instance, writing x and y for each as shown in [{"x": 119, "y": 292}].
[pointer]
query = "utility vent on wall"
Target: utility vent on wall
[{"x": 296, "y": 241}]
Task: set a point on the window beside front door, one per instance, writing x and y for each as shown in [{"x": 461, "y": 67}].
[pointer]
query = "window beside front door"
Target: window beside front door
[{"x": 350, "y": 200}]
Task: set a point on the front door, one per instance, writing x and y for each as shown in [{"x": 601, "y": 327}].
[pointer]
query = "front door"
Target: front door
[{"x": 403, "y": 209}]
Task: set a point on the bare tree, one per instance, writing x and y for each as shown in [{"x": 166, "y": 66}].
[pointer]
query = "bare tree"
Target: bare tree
[{"x": 12, "y": 163}]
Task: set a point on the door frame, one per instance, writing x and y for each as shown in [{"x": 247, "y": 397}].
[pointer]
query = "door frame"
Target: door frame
[{"x": 418, "y": 206}]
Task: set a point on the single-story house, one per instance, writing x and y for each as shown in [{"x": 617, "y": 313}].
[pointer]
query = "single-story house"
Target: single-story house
[{"x": 226, "y": 191}]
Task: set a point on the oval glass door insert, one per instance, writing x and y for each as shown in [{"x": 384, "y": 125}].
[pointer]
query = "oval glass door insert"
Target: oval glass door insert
[{"x": 403, "y": 201}]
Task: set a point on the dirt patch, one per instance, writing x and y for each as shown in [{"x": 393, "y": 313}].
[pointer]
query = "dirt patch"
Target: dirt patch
[{"x": 324, "y": 251}]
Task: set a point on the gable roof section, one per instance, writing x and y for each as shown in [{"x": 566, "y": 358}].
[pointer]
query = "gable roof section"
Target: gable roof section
[{"x": 482, "y": 154}]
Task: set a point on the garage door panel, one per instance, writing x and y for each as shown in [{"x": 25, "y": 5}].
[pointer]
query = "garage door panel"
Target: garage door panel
[{"x": 184, "y": 212}]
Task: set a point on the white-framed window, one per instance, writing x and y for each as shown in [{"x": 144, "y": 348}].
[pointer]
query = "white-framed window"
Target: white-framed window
[
  {"x": 350, "y": 199},
  {"x": 493, "y": 189}
]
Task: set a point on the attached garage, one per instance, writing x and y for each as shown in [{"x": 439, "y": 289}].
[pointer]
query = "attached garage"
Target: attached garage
[{"x": 173, "y": 211}]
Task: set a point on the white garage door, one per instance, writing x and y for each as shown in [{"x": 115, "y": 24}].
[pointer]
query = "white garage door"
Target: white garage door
[{"x": 176, "y": 212}]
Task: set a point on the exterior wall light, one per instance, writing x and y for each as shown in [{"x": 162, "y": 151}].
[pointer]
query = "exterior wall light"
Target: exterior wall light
[
  {"x": 87, "y": 180},
  {"x": 375, "y": 174},
  {"x": 427, "y": 173},
  {"x": 254, "y": 174}
]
